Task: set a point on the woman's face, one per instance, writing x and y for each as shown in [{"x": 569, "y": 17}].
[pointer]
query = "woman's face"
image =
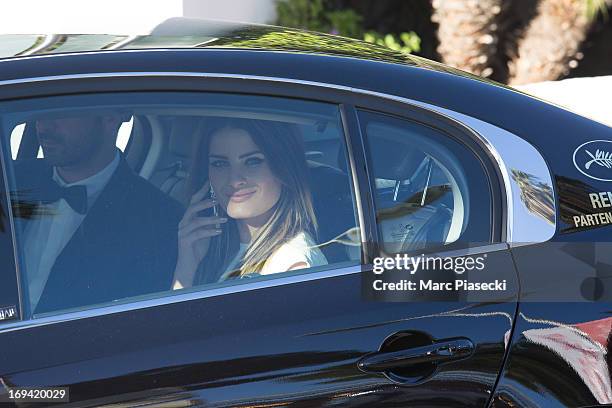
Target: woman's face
[{"x": 241, "y": 176}]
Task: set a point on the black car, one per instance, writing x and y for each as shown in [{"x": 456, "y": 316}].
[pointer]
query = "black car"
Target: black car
[{"x": 231, "y": 215}]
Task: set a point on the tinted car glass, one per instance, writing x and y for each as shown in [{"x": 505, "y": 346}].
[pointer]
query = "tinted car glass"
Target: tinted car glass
[
  {"x": 123, "y": 138},
  {"x": 431, "y": 190},
  {"x": 90, "y": 230}
]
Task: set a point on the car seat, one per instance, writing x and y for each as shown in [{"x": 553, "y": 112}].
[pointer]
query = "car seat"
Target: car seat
[{"x": 419, "y": 212}]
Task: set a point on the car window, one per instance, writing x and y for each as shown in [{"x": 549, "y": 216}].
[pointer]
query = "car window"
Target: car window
[
  {"x": 430, "y": 190},
  {"x": 236, "y": 188}
]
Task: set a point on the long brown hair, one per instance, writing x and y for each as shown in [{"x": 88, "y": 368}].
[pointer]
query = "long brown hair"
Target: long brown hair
[{"x": 281, "y": 144}]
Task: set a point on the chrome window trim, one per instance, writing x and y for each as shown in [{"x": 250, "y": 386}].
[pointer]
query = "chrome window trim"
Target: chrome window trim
[{"x": 171, "y": 298}]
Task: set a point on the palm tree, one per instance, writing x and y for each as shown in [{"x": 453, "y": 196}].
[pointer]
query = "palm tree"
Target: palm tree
[
  {"x": 544, "y": 47},
  {"x": 468, "y": 33},
  {"x": 551, "y": 42}
]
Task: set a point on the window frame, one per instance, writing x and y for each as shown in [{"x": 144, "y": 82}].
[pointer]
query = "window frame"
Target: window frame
[
  {"x": 348, "y": 101},
  {"x": 458, "y": 132},
  {"x": 8, "y": 245},
  {"x": 447, "y": 128}
]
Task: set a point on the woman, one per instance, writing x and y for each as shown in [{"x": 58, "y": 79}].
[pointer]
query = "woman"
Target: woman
[{"x": 258, "y": 173}]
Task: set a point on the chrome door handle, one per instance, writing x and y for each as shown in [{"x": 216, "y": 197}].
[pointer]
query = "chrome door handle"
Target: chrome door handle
[{"x": 439, "y": 352}]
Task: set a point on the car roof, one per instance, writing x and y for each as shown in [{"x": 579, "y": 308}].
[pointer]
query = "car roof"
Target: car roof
[
  {"x": 187, "y": 33},
  {"x": 191, "y": 33}
]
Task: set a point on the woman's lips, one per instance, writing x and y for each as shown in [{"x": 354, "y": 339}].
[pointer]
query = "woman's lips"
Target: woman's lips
[{"x": 241, "y": 196}]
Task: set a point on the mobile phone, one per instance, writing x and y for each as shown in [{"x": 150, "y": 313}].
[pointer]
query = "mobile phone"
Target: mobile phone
[
  {"x": 214, "y": 210},
  {"x": 213, "y": 196}
]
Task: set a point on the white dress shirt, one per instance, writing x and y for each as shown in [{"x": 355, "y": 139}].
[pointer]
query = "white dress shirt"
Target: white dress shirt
[{"x": 47, "y": 235}]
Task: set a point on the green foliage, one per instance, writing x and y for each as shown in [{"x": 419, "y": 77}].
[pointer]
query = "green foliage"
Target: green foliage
[
  {"x": 594, "y": 7},
  {"x": 407, "y": 42},
  {"x": 317, "y": 15},
  {"x": 345, "y": 22},
  {"x": 305, "y": 14}
]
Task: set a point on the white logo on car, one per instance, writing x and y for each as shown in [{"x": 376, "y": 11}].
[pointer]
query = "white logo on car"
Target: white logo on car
[
  {"x": 602, "y": 158},
  {"x": 594, "y": 159}
]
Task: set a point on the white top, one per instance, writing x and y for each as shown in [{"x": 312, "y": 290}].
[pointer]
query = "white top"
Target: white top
[
  {"x": 300, "y": 249},
  {"x": 46, "y": 236}
]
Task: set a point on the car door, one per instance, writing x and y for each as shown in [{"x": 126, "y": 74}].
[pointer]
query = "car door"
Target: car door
[{"x": 318, "y": 337}]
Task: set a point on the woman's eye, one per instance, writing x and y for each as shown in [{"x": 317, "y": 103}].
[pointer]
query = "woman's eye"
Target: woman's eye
[
  {"x": 254, "y": 161},
  {"x": 219, "y": 163}
]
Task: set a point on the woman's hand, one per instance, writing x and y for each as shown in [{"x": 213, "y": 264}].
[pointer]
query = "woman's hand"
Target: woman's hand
[{"x": 194, "y": 235}]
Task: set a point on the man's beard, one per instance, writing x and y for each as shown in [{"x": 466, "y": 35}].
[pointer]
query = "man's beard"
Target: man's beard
[{"x": 54, "y": 149}]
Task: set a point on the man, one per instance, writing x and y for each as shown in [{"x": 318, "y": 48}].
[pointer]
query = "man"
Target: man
[{"x": 91, "y": 231}]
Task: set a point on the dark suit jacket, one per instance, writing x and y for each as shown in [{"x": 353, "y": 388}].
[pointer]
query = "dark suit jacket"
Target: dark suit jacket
[{"x": 125, "y": 246}]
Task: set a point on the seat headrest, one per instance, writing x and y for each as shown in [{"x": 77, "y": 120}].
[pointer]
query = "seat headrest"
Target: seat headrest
[
  {"x": 395, "y": 161},
  {"x": 391, "y": 160},
  {"x": 328, "y": 186},
  {"x": 182, "y": 137},
  {"x": 325, "y": 177}
]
